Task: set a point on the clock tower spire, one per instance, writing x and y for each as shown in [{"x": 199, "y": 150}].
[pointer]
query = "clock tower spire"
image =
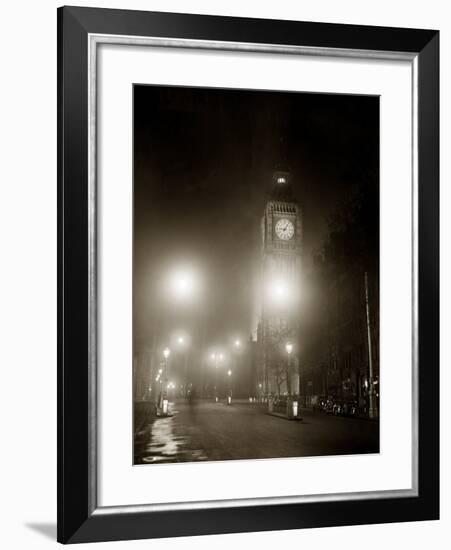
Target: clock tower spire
[{"x": 281, "y": 248}]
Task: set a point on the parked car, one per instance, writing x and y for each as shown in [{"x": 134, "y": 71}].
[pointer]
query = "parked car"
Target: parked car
[
  {"x": 338, "y": 407},
  {"x": 318, "y": 402},
  {"x": 346, "y": 408},
  {"x": 328, "y": 406}
]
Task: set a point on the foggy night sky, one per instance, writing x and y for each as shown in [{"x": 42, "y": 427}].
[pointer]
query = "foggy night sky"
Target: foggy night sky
[{"x": 203, "y": 168}]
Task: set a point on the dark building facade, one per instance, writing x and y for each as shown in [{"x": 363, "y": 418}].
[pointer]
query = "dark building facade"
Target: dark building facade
[
  {"x": 340, "y": 357},
  {"x": 343, "y": 340}
]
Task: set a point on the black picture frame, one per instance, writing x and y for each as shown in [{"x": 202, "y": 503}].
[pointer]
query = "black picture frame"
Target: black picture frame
[{"x": 79, "y": 520}]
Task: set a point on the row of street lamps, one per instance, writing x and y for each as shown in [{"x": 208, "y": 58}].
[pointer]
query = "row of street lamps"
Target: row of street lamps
[
  {"x": 163, "y": 374},
  {"x": 184, "y": 284},
  {"x": 217, "y": 358}
]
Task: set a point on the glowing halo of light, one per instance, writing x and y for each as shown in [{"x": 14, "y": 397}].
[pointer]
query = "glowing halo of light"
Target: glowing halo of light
[
  {"x": 183, "y": 284},
  {"x": 278, "y": 291}
]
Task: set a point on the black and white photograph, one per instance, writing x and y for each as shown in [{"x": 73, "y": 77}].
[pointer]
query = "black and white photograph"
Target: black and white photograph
[
  {"x": 255, "y": 274},
  {"x": 225, "y": 312}
]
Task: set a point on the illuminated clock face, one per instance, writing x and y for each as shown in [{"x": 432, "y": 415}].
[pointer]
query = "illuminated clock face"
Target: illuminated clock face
[{"x": 284, "y": 229}]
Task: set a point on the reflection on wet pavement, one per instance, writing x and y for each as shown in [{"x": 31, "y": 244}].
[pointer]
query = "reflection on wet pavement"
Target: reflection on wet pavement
[{"x": 164, "y": 446}]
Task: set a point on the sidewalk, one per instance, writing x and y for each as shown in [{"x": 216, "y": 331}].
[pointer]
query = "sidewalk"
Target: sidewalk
[{"x": 143, "y": 415}]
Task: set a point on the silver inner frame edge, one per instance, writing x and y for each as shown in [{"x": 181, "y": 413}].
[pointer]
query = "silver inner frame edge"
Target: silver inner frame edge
[{"x": 93, "y": 41}]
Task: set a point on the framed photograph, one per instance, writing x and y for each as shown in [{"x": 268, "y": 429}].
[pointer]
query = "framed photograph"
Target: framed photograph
[{"x": 248, "y": 284}]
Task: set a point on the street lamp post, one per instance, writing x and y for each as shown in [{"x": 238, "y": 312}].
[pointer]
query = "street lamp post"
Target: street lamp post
[
  {"x": 237, "y": 346},
  {"x": 292, "y": 406},
  {"x": 217, "y": 357},
  {"x": 371, "y": 407},
  {"x": 220, "y": 358},
  {"x": 164, "y": 403},
  {"x": 181, "y": 341},
  {"x": 180, "y": 286},
  {"x": 279, "y": 298},
  {"x": 229, "y": 397},
  {"x": 289, "y": 349}
]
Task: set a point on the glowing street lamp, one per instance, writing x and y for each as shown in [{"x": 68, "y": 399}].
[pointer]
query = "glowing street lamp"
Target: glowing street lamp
[
  {"x": 279, "y": 292},
  {"x": 182, "y": 284},
  {"x": 180, "y": 340},
  {"x": 166, "y": 353},
  {"x": 237, "y": 343},
  {"x": 289, "y": 348},
  {"x": 279, "y": 289},
  {"x": 282, "y": 293}
]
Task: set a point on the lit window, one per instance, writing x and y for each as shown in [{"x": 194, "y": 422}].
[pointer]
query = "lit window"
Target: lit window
[{"x": 281, "y": 180}]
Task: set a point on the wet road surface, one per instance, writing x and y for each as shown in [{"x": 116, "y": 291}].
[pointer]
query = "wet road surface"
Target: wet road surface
[{"x": 215, "y": 431}]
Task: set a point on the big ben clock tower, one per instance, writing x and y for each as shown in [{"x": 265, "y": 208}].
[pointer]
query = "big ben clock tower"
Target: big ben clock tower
[{"x": 281, "y": 247}]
